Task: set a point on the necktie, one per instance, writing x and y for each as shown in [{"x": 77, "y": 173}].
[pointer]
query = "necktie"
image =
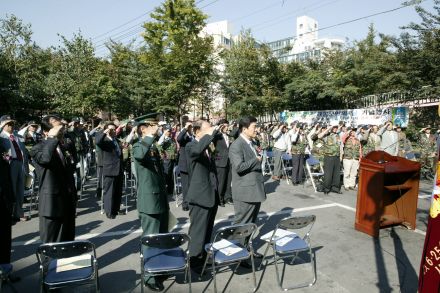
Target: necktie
[
  {"x": 16, "y": 148},
  {"x": 253, "y": 149}
]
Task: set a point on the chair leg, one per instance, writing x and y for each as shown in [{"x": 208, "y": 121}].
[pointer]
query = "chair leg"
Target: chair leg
[
  {"x": 214, "y": 278},
  {"x": 276, "y": 269},
  {"x": 264, "y": 255},
  {"x": 204, "y": 264},
  {"x": 253, "y": 271},
  {"x": 189, "y": 278},
  {"x": 293, "y": 259}
]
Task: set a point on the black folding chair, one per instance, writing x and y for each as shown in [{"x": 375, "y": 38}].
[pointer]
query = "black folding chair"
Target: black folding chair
[
  {"x": 234, "y": 251},
  {"x": 285, "y": 245},
  {"x": 67, "y": 264},
  {"x": 162, "y": 254}
]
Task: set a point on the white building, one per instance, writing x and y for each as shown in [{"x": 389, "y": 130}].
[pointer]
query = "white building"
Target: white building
[
  {"x": 306, "y": 44},
  {"x": 221, "y": 33}
]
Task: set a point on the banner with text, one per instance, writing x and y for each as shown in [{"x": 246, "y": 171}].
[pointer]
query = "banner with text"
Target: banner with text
[{"x": 354, "y": 117}]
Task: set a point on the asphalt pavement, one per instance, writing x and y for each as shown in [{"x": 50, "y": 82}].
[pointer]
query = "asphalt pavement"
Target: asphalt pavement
[{"x": 346, "y": 260}]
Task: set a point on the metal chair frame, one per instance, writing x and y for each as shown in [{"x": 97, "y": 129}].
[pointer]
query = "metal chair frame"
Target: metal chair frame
[
  {"x": 58, "y": 250},
  {"x": 233, "y": 232},
  {"x": 268, "y": 163},
  {"x": 166, "y": 241},
  {"x": 311, "y": 174},
  {"x": 286, "y": 163},
  {"x": 292, "y": 223},
  {"x": 178, "y": 195}
]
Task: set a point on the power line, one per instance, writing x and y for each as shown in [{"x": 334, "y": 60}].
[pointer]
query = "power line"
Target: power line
[
  {"x": 129, "y": 32},
  {"x": 287, "y": 16},
  {"x": 363, "y": 17},
  {"x": 130, "y": 21}
]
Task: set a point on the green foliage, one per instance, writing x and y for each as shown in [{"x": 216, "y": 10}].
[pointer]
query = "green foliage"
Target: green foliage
[{"x": 178, "y": 57}]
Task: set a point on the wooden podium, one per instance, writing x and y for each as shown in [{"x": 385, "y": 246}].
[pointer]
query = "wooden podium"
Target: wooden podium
[{"x": 387, "y": 194}]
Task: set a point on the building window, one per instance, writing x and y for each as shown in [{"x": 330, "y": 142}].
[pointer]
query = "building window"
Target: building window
[{"x": 300, "y": 26}]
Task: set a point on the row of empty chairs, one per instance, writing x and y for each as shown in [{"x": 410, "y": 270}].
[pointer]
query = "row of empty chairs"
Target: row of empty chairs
[{"x": 70, "y": 264}]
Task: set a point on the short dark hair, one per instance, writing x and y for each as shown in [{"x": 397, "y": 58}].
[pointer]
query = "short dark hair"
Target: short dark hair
[
  {"x": 222, "y": 121},
  {"x": 197, "y": 125},
  {"x": 45, "y": 125},
  {"x": 246, "y": 122}
]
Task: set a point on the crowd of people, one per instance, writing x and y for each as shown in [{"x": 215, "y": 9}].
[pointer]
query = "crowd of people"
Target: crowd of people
[{"x": 218, "y": 164}]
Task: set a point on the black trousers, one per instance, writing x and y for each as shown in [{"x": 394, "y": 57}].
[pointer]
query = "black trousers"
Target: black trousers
[
  {"x": 200, "y": 228},
  {"x": 57, "y": 229},
  {"x": 112, "y": 187},
  {"x": 332, "y": 173},
  {"x": 297, "y": 168},
  {"x": 168, "y": 166},
  {"x": 99, "y": 176},
  {"x": 184, "y": 178},
  {"x": 5, "y": 234},
  {"x": 224, "y": 176}
]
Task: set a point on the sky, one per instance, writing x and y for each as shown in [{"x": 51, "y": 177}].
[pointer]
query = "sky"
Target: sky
[{"x": 269, "y": 20}]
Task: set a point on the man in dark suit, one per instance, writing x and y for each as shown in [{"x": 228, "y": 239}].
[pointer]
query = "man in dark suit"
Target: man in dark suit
[
  {"x": 185, "y": 136},
  {"x": 112, "y": 172},
  {"x": 57, "y": 193},
  {"x": 222, "y": 143},
  {"x": 7, "y": 201},
  {"x": 247, "y": 179},
  {"x": 18, "y": 163},
  {"x": 152, "y": 201},
  {"x": 202, "y": 192}
]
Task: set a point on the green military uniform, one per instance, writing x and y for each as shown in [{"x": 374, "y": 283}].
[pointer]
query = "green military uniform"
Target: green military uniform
[
  {"x": 351, "y": 149},
  {"x": 427, "y": 146},
  {"x": 152, "y": 201},
  {"x": 299, "y": 148},
  {"x": 332, "y": 163},
  {"x": 318, "y": 147},
  {"x": 168, "y": 150}
]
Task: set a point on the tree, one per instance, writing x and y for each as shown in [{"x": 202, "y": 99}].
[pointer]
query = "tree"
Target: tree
[
  {"x": 178, "y": 57},
  {"x": 73, "y": 82}
]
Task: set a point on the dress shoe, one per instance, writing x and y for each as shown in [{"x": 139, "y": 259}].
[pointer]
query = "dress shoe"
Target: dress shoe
[
  {"x": 229, "y": 201},
  {"x": 346, "y": 188},
  {"x": 246, "y": 265},
  {"x": 110, "y": 216},
  {"x": 185, "y": 207},
  {"x": 157, "y": 287},
  {"x": 337, "y": 191},
  {"x": 121, "y": 213},
  {"x": 222, "y": 204},
  {"x": 352, "y": 188}
]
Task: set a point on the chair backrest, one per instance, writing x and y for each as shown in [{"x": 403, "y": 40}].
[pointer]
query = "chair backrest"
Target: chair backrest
[
  {"x": 297, "y": 222},
  {"x": 233, "y": 232},
  {"x": 312, "y": 161},
  {"x": 286, "y": 157},
  {"x": 65, "y": 249},
  {"x": 165, "y": 240}
]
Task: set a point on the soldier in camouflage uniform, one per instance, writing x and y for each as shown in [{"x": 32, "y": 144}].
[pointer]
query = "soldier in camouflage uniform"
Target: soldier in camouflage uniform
[
  {"x": 298, "y": 150},
  {"x": 367, "y": 140},
  {"x": 263, "y": 145},
  {"x": 427, "y": 144},
  {"x": 332, "y": 160},
  {"x": 168, "y": 151},
  {"x": 351, "y": 156},
  {"x": 317, "y": 143}
]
